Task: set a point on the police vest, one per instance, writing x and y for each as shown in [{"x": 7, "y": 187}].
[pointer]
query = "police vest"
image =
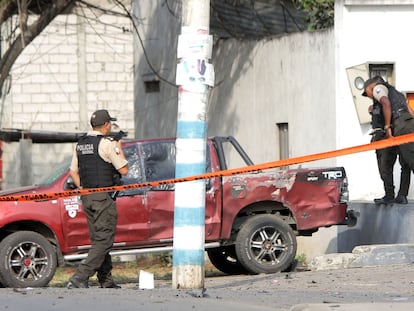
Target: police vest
[
  {"x": 93, "y": 170},
  {"x": 377, "y": 116},
  {"x": 397, "y": 100}
]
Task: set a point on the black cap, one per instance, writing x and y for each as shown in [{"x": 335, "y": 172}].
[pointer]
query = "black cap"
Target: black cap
[
  {"x": 375, "y": 79},
  {"x": 100, "y": 117}
]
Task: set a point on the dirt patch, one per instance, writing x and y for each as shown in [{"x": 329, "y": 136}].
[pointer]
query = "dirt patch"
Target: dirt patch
[{"x": 128, "y": 271}]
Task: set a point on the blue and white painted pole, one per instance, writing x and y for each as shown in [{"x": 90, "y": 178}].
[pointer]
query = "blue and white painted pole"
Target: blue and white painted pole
[{"x": 194, "y": 76}]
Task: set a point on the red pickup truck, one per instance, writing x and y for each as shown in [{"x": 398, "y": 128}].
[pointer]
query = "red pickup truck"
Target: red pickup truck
[{"x": 251, "y": 220}]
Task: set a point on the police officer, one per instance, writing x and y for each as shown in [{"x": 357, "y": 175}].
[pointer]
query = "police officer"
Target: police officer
[
  {"x": 98, "y": 161},
  {"x": 397, "y": 117},
  {"x": 386, "y": 158}
]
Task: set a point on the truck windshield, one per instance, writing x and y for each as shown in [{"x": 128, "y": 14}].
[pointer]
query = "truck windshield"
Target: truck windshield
[{"x": 55, "y": 173}]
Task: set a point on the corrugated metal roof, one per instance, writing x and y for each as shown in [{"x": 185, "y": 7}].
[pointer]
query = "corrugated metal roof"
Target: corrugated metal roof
[{"x": 255, "y": 18}]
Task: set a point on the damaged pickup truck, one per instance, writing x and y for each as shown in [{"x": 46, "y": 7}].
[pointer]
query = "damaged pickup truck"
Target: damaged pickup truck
[{"x": 251, "y": 220}]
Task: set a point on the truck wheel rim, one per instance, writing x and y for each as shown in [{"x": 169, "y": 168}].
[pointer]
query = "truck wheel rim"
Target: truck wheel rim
[
  {"x": 268, "y": 246},
  {"x": 27, "y": 261}
]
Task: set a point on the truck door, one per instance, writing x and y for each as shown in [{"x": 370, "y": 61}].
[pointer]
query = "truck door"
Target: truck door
[
  {"x": 133, "y": 215},
  {"x": 159, "y": 164},
  {"x": 132, "y": 225}
]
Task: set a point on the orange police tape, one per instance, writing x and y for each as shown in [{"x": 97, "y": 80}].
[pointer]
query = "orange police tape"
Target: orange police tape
[{"x": 394, "y": 141}]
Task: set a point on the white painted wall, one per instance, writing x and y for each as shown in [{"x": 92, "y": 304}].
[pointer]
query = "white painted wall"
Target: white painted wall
[{"x": 369, "y": 31}]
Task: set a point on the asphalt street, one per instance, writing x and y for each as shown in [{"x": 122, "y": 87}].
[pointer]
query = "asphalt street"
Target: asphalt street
[{"x": 369, "y": 288}]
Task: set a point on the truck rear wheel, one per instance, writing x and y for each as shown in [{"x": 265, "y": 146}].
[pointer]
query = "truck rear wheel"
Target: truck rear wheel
[
  {"x": 224, "y": 259},
  {"x": 27, "y": 259},
  {"x": 266, "y": 244}
]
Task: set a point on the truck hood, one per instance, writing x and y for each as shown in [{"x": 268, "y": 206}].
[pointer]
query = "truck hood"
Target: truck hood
[{"x": 20, "y": 190}]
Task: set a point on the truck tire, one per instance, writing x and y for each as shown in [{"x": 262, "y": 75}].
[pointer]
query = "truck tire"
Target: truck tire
[
  {"x": 27, "y": 259},
  {"x": 224, "y": 259},
  {"x": 265, "y": 244}
]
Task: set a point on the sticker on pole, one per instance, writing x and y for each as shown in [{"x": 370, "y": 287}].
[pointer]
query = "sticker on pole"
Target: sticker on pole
[
  {"x": 193, "y": 73},
  {"x": 195, "y": 46}
]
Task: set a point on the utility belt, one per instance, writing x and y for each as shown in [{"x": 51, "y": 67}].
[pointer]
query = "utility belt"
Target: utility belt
[
  {"x": 377, "y": 131},
  {"x": 400, "y": 112},
  {"x": 377, "y": 134},
  {"x": 112, "y": 194}
]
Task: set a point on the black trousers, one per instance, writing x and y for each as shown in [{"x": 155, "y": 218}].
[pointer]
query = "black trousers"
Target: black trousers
[
  {"x": 404, "y": 124},
  {"x": 102, "y": 216},
  {"x": 386, "y": 159}
]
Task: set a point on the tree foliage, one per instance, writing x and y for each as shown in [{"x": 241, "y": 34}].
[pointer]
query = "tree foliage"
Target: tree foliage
[{"x": 321, "y": 12}]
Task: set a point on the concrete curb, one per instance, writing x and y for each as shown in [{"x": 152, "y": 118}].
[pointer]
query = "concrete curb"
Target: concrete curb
[
  {"x": 365, "y": 256},
  {"x": 355, "y": 307}
]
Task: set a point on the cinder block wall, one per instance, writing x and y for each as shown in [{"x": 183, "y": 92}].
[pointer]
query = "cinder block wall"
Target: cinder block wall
[{"x": 77, "y": 65}]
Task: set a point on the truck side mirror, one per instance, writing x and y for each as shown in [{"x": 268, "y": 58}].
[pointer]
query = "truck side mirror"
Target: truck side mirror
[{"x": 69, "y": 184}]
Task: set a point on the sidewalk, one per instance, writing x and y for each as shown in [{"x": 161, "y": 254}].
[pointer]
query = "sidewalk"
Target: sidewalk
[
  {"x": 355, "y": 307},
  {"x": 366, "y": 256}
]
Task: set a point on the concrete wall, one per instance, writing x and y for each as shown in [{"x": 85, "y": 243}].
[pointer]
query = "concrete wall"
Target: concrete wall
[
  {"x": 155, "y": 60},
  {"x": 258, "y": 84},
  {"x": 277, "y": 80},
  {"x": 77, "y": 65},
  {"x": 383, "y": 224},
  {"x": 377, "y": 224}
]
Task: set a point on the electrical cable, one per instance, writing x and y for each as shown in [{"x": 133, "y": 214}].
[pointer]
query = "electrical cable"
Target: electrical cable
[{"x": 142, "y": 45}]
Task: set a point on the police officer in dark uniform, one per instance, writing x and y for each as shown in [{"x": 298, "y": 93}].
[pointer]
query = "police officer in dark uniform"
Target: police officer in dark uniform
[
  {"x": 98, "y": 161},
  {"x": 386, "y": 158},
  {"x": 397, "y": 117}
]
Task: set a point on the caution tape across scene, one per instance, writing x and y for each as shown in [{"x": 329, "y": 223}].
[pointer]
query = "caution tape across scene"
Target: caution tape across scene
[{"x": 393, "y": 141}]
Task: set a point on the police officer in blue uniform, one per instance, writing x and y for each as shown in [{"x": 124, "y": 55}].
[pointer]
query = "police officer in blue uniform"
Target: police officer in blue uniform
[{"x": 98, "y": 161}]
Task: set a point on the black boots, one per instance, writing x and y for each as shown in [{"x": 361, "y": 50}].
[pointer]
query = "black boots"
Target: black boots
[{"x": 76, "y": 282}]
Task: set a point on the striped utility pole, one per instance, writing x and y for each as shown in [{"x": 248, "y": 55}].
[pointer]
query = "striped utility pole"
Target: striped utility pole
[{"x": 194, "y": 76}]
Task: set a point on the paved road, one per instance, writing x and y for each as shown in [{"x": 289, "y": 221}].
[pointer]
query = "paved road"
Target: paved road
[{"x": 369, "y": 288}]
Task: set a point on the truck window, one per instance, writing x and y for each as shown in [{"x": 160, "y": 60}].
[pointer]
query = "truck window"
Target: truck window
[
  {"x": 159, "y": 160},
  {"x": 134, "y": 175},
  {"x": 232, "y": 154}
]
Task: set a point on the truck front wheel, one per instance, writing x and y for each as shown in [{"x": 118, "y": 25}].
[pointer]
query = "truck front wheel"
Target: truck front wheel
[
  {"x": 27, "y": 259},
  {"x": 266, "y": 244}
]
